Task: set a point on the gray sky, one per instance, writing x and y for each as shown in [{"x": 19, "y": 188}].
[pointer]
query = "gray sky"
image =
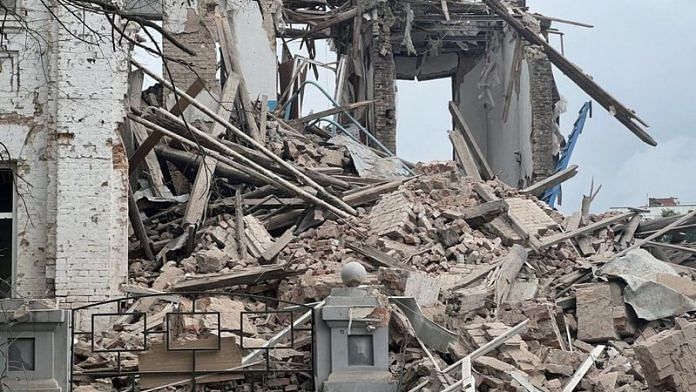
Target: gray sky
[{"x": 643, "y": 53}]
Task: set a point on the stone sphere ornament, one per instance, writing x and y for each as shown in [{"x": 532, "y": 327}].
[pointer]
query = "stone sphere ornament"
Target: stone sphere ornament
[{"x": 353, "y": 274}]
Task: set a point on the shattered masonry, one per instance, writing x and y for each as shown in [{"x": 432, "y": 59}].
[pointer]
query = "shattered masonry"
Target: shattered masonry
[{"x": 117, "y": 195}]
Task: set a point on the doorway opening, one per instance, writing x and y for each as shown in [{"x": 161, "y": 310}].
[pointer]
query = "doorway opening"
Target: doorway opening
[{"x": 422, "y": 120}]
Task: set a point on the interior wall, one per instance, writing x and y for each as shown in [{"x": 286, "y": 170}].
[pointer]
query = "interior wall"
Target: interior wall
[{"x": 481, "y": 93}]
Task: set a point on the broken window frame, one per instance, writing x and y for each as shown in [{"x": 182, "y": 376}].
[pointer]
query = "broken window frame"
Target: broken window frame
[{"x": 11, "y": 215}]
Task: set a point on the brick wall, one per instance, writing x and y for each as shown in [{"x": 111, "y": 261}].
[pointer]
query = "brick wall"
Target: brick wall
[
  {"x": 383, "y": 80},
  {"x": 61, "y": 128},
  {"x": 191, "y": 26},
  {"x": 544, "y": 95}
]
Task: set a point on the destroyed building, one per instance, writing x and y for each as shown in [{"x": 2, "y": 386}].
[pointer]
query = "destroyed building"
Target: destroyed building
[{"x": 209, "y": 207}]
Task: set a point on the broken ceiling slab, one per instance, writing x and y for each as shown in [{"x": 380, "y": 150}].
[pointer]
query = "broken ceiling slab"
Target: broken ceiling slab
[
  {"x": 368, "y": 163},
  {"x": 654, "y": 288}
]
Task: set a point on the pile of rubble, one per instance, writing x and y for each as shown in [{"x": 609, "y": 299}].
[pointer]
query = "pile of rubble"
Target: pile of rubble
[
  {"x": 507, "y": 294},
  {"x": 483, "y": 286}
]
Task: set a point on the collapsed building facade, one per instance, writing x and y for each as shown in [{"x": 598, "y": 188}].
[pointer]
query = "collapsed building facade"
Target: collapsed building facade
[{"x": 94, "y": 163}]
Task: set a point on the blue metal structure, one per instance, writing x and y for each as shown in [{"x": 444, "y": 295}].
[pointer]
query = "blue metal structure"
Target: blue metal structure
[{"x": 552, "y": 194}]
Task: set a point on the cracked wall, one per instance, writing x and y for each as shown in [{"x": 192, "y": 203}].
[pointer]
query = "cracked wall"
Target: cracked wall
[{"x": 59, "y": 118}]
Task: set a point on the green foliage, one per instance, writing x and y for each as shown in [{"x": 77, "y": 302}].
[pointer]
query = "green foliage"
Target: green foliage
[{"x": 667, "y": 212}]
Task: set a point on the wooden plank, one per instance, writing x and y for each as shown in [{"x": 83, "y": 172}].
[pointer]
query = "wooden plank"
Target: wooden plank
[
  {"x": 650, "y": 226},
  {"x": 227, "y": 98},
  {"x": 329, "y": 112},
  {"x": 658, "y": 233},
  {"x": 463, "y": 128},
  {"x": 538, "y": 188},
  {"x": 583, "y": 369},
  {"x": 193, "y": 90},
  {"x": 278, "y": 245},
  {"x": 154, "y": 138},
  {"x": 236, "y": 278},
  {"x": 375, "y": 256},
  {"x": 670, "y": 246},
  {"x": 445, "y": 9},
  {"x": 154, "y": 171},
  {"x": 340, "y": 208},
  {"x": 629, "y": 230},
  {"x": 138, "y": 227},
  {"x": 370, "y": 194},
  {"x": 463, "y": 155},
  {"x": 263, "y": 117},
  {"x": 589, "y": 229},
  {"x": 145, "y": 147},
  {"x": 471, "y": 278},
  {"x": 200, "y": 192},
  {"x": 509, "y": 269},
  {"x": 523, "y": 380},
  {"x": 193, "y": 160},
  {"x": 258, "y": 239},
  {"x": 239, "y": 223}
]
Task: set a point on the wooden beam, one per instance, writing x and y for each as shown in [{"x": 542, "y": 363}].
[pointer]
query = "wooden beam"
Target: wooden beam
[
  {"x": 239, "y": 223},
  {"x": 227, "y": 98},
  {"x": 464, "y": 156},
  {"x": 154, "y": 138},
  {"x": 138, "y": 227},
  {"x": 154, "y": 171},
  {"x": 236, "y": 278},
  {"x": 278, "y": 245},
  {"x": 198, "y": 199},
  {"x": 670, "y": 246},
  {"x": 193, "y": 90},
  {"x": 378, "y": 258},
  {"x": 589, "y": 229},
  {"x": 329, "y": 112},
  {"x": 509, "y": 269},
  {"x": 263, "y": 118},
  {"x": 538, "y": 188},
  {"x": 626, "y": 116},
  {"x": 629, "y": 230},
  {"x": 658, "y": 233},
  {"x": 280, "y": 161},
  {"x": 463, "y": 127},
  {"x": 583, "y": 369}
]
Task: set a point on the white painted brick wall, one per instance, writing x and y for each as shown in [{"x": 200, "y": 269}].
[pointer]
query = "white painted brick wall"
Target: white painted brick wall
[{"x": 60, "y": 123}]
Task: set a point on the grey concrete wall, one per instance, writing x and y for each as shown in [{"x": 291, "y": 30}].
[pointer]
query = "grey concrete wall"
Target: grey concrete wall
[{"x": 481, "y": 92}]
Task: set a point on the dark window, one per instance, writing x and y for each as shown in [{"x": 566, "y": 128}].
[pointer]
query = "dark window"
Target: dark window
[
  {"x": 21, "y": 355},
  {"x": 6, "y": 231}
]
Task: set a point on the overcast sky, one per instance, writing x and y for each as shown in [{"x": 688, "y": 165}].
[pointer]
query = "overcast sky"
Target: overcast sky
[{"x": 644, "y": 53}]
